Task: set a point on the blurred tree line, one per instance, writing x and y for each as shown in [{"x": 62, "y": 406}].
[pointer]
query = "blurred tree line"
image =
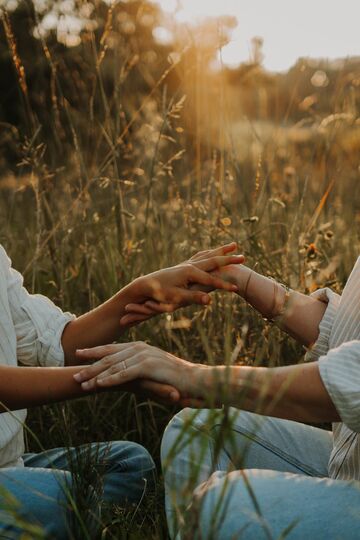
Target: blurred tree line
[
  {"x": 68, "y": 66},
  {"x": 313, "y": 88},
  {"x": 76, "y": 74}
]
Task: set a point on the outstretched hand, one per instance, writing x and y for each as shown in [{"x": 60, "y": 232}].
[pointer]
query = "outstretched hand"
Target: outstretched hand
[
  {"x": 137, "y": 365},
  {"x": 184, "y": 284}
]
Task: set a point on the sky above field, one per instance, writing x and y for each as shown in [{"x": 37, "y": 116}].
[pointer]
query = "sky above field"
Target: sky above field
[{"x": 290, "y": 29}]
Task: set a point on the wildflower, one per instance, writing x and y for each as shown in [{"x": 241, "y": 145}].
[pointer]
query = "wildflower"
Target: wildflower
[
  {"x": 226, "y": 221},
  {"x": 311, "y": 251}
]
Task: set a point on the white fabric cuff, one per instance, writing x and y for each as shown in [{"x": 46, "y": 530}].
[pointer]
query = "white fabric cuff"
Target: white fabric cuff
[
  {"x": 340, "y": 373},
  {"x": 48, "y": 323},
  {"x": 321, "y": 346}
]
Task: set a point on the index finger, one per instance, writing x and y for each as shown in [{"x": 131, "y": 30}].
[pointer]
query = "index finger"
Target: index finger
[
  {"x": 106, "y": 350},
  {"x": 222, "y": 250},
  {"x": 213, "y": 263},
  {"x": 213, "y": 281}
]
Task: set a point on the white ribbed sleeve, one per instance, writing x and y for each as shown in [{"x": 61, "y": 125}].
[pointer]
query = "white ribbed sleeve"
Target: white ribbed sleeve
[
  {"x": 321, "y": 346},
  {"x": 340, "y": 373}
]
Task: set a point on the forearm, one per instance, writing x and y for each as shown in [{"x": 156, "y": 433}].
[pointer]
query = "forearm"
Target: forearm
[
  {"x": 97, "y": 327},
  {"x": 303, "y": 314},
  {"x": 291, "y": 392},
  {"x": 170, "y": 286},
  {"x": 24, "y": 387}
]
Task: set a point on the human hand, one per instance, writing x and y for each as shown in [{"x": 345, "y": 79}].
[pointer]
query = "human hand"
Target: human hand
[
  {"x": 193, "y": 279},
  {"x": 230, "y": 273},
  {"x": 121, "y": 364}
]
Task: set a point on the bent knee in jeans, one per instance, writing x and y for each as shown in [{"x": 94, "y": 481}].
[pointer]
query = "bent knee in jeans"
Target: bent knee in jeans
[{"x": 261, "y": 504}]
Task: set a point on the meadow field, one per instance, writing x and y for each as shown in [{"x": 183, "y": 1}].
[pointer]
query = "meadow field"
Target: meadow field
[{"x": 119, "y": 156}]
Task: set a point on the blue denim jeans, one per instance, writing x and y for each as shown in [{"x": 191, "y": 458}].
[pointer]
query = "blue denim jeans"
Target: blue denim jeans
[
  {"x": 47, "y": 493},
  {"x": 242, "y": 475}
]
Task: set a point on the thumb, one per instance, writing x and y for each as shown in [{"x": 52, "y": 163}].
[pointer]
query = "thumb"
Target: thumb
[{"x": 160, "y": 391}]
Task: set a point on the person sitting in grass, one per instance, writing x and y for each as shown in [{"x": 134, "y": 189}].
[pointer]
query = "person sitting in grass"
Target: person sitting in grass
[
  {"x": 38, "y": 344},
  {"x": 255, "y": 469}
]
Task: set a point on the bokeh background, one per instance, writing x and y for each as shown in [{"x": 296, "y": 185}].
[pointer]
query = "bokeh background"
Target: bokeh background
[{"x": 134, "y": 133}]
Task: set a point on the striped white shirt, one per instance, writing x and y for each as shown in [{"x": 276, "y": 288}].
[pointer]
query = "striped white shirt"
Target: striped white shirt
[
  {"x": 338, "y": 352},
  {"x": 30, "y": 334}
]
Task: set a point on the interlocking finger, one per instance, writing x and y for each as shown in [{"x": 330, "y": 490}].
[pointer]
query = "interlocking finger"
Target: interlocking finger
[
  {"x": 133, "y": 318},
  {"x": 211, "y": 280},
  {"x": 218, "y": 261},
  {"x": 142, "y": 309},
  {"x": 206, "y": 254},
  {"x": 222, "y": 250},
  {"x": 185, "y": 297},
  {"x": 161, "y": 307}
]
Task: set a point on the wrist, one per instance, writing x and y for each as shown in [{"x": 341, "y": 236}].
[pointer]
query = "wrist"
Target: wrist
[
  {"x": 237, "y": 275},
  {"x": 212, "y": 384},
  {"x": 197, "y": 380},
  {"x": 135, "y": 292},
  {"x": 243, "y": 276}
]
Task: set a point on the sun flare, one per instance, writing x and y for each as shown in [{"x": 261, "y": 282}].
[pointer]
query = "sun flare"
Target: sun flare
[{"x": 290, "y": 30}]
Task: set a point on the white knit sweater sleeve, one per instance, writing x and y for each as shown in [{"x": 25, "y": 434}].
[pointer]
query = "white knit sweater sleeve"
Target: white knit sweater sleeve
[
  {"x": 38, "y": 323},
  {"x": 321, "y": 346}
]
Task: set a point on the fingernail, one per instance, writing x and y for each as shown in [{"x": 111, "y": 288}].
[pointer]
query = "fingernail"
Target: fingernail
[
  {"x": 205, "y": 299},
  {"x": 173, "y": 396},
  {"x": 78, "y": 377},
  {"x": 85, "y": 385},
  {"x": 234, "y": 288}
]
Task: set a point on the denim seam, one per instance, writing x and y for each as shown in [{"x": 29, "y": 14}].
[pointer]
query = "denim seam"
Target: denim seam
[{"x": 268, "y": 446}]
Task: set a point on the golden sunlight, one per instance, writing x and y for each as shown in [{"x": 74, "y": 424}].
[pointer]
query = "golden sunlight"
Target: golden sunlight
[{"x": 290, "y": 30}]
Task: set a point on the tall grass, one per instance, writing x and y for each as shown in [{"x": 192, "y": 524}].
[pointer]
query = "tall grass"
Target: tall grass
[{"x": 139, "y": 187}]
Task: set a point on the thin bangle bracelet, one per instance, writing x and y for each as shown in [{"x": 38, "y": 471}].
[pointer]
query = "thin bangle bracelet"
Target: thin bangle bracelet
[
  {"x": 270, "y": 316},
  {"x": 247, "y": 286},
  {"x": 281, "y": 311}
]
